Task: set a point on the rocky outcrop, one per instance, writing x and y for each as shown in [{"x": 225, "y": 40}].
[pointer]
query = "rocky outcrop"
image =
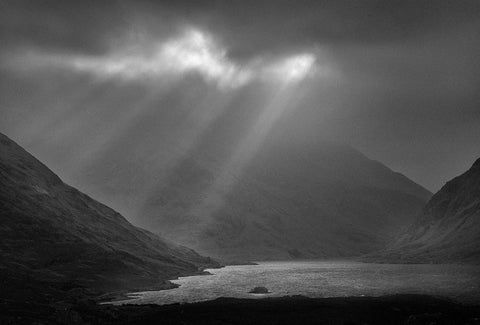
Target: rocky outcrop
[{"x": 261, "y": 290}]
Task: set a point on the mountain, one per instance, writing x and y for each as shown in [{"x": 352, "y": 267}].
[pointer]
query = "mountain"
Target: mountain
[
  {"x": 324, "y": 200},
  {"x": 56, "y": 239},
  {"x": 285, "y": 200},
  {"x": 448, "y": 229}
]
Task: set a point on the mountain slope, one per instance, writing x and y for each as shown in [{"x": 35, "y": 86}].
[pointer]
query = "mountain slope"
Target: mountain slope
[
  {"x": 448, "y": 230},
  {"x": 52, "y": 233},
  {"x": 309, "y": 201},
  {"x": 218, "y": 177}
]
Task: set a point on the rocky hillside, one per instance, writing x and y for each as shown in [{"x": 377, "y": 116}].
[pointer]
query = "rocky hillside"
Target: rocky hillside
[
  {"x": 55, "y": 237},
  {"x": 448, "y": 230}
]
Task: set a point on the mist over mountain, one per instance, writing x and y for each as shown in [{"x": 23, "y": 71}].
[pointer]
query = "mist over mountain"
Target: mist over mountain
[
  {"x": 56, "y": 239},
  {"x": 325, "y": 201},
  {"x": 448, "y": 229},
  {"x": 320, "y": 199},
  {"x": 234, "y": 176}
]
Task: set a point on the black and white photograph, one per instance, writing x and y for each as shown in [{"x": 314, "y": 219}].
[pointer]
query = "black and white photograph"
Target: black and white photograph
[{"x": 240, "y": 162}]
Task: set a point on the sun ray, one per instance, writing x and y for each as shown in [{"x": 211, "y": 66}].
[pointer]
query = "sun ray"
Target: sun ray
[
  {"x": 119, "y": 124},
  {"x": 284, "y": 97},
  {"x": 206, "y": 114}
]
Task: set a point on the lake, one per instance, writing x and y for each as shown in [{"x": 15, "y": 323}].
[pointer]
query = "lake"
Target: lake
[{"x": 321, "y": 279}]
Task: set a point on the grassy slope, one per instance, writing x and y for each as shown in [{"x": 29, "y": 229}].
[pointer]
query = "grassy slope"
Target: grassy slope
[
  {"x": 56, "y": 239},
  {"x": 448, "y": 230}
]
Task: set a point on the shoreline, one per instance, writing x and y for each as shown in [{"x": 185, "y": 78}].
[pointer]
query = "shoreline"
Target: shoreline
[
  {"x": 109, "y": 298},
  {"x": 132, "y": 296}
]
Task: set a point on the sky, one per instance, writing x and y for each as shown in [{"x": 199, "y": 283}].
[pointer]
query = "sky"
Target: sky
[{"x": 398, "y": 80}]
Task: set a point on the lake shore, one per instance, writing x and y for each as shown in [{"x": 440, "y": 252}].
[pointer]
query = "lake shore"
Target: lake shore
[
  {"x": 395, "y": 309},
  {"x": 317, "y": 279}
]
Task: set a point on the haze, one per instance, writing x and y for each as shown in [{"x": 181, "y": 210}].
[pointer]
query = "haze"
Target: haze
[{"x": 398, "y": 80}]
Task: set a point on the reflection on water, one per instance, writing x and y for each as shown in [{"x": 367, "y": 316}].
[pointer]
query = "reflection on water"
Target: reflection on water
[{"x": 322, "y": 279}]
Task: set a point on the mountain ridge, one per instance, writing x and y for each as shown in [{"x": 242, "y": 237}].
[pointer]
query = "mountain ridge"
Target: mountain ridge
[{"x": 447, "y": 230}]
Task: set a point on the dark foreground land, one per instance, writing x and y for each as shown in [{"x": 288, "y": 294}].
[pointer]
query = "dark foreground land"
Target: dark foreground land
[{"x": 399, "y": 309}]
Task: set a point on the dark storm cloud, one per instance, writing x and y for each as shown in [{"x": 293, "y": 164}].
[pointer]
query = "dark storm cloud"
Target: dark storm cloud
[
  {"x": 407, "y": 91},
  {"x": 64, "y": 25},
  {"x": 247, "y": 26}
]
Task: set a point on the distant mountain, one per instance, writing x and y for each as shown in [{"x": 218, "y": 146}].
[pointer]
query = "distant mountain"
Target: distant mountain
[
  {"x": 54, "y": 237},
  {"x": 448, "y": 230},
  {"x": 310, "y": 201},
  {"x": 289, "y": 199}
]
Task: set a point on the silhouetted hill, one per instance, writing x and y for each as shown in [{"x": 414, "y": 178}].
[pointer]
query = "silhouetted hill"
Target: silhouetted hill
[
  {"x": 448, "y": 230},
  {"x": 55, "y": 238}
]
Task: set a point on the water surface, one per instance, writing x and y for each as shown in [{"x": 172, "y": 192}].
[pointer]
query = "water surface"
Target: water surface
[{"x": 321, "y": 279}]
